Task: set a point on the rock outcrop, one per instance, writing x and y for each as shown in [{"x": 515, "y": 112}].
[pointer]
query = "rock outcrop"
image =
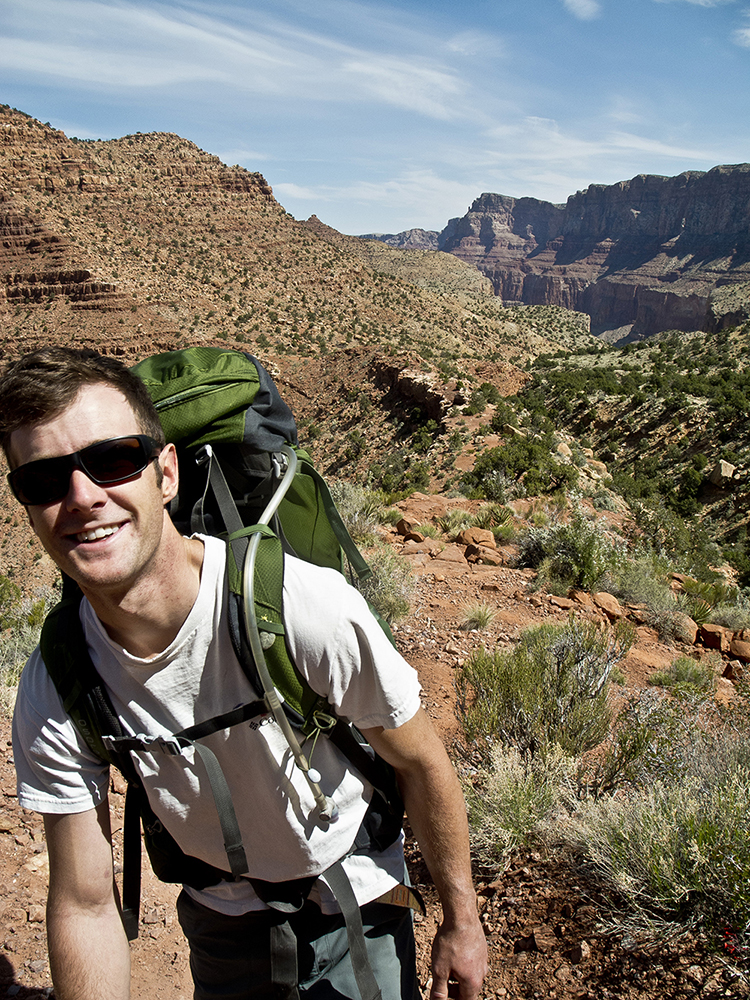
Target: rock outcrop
[{"x": 644, "y": 255}]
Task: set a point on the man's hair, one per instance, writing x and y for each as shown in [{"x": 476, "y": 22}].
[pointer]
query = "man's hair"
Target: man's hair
[{"x": 43, "y": 383}]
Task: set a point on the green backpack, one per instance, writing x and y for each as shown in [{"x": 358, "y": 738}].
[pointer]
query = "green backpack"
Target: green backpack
[{"x": 244, "y": 477}]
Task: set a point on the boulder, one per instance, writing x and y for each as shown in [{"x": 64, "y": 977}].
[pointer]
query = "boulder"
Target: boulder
[
  {"x": 740, "y": 649},
  {"x": 452, "y": 553},
  {"x": 685, "y": 628},
  {"x": 582, "y": 598},
  {"x": 715, "y": 637},
  {"x": 484, "y": 555},
  {"x": 598, "y": 467},
  {"x": 562, "y": 602},
  {"x": 414, "y": 536},
  {"x": 476, "y": 536},
  {"x": 722, "y": 474},
  {"x": 609, "y": 605}
]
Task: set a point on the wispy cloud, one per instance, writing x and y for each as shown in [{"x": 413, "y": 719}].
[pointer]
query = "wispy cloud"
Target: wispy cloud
[
  {"x": 477, "y": 43},
  {"x": 526, "y": 145},
  {"x": 136, "y": 45},
  {"x": 586, "y": 10},
  {"x": 742, "y": 35},
  {"x": 699, "y": 3}
]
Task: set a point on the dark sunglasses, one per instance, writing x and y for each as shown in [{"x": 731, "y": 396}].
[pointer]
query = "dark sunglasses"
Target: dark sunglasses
[{"x": 105, "y": 463}]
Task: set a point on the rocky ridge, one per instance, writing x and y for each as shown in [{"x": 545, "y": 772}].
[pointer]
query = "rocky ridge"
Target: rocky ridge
[{"x": 410, "y": 239}]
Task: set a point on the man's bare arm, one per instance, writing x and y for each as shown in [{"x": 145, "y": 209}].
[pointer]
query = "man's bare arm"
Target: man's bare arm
[
  {"x": 437, "y": 814},
  {"x": 88, "y": 950}
]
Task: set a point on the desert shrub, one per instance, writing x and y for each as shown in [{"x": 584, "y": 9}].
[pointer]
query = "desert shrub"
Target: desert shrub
[
  {"x": 576, "y": 554},
  {"x": 680, "y": 850},
  {"x": 477, "y": 616},
  {"x": 642, "y": 580},
  {"x": 650, "y": 740},
  {"x": 10, "y": 597},
  {"x": 390, "y": 589},
  {"x": 511, "y": 797},
  {"x": 550, "y": 689},
  {"x": 504, "y": 414},
  {"x": 16, "y": 646},
  {"x": 361, "y": 510},
  {"x": 734, "y": 616},
  {"x": 603, "y": 500},
  {"x": 428, "y": 530},
  {"x": 477, "y": 403},
  {"x": 686, "y": 677},
  {"x": 493, "y": 515},
  {"x": 684, "y": 542},
  {"x": 455, "y": 520}
]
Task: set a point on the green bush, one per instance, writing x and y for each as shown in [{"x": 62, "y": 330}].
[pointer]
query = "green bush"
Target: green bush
[
  {"x": 576, "y": 554},
  {"x": 550, "y": 689},
  {"x": 455, "y": 520},
  {"x": 686, "y": 677},
  {"x": 493, "y": 515},
  {"x": 10, "y": 596},
  {"x": 517, "y": 460}
]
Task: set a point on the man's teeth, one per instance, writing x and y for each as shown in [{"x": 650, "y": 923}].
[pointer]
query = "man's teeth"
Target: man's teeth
[{"x": 91, "y": 536}]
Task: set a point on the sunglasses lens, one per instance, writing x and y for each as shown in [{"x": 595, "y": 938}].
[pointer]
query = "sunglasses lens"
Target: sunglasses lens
[
  {"x": 107, "y": 462},
  {"x": 115, "y": 461},
  {"x": 38, "y": 482}
]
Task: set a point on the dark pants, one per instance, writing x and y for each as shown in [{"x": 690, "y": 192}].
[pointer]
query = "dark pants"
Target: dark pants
[{"x": 231, "y": 957}]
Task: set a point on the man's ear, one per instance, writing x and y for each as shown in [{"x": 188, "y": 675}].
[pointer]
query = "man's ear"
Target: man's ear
[{"x": 170, "y": 472}]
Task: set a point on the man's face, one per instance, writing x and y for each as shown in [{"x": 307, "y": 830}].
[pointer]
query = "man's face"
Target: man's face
[{"x": 129, "y": 516}]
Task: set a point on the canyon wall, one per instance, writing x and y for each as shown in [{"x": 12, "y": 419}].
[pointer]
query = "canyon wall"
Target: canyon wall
[{"x": 643, "y": 255}]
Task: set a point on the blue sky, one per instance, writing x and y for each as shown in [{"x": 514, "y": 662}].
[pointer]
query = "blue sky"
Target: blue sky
[{"x": 379, "y": 117}]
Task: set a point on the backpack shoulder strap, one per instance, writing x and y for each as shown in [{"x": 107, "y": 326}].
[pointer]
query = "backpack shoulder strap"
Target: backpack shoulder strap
[{"x": 68, "y": 662}]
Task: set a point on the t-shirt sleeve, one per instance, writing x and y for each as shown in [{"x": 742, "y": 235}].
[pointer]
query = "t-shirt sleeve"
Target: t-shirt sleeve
[
  {"x": 56, "y": 772},
  {"x": 338, "y": 645}
]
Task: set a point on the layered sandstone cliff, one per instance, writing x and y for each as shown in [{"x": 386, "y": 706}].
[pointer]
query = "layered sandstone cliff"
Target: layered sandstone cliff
[{"x": 644, "y": 255}]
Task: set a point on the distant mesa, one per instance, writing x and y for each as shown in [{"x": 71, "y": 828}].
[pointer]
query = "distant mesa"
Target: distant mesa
[
  {"x": 640, "y": 256},
  {"x": 411, "y": 239}
]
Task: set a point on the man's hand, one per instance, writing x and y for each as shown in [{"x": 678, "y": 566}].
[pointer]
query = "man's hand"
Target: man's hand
[
  {"x": 459, "y": 961},
  {"x": 437, "y": 814}
]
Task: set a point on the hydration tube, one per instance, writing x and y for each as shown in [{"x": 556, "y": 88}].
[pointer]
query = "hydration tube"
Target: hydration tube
[{"x": 327, "y": 808}]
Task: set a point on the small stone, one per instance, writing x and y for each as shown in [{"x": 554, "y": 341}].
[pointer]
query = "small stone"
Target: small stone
[
  {"x": 545, "y": 938},
  {"x": 36, "y": 913},
  {"x": 152, "y": 916}
]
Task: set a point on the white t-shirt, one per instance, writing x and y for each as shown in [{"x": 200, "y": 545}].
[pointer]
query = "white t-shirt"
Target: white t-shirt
[{"x": 335, "y": 643}]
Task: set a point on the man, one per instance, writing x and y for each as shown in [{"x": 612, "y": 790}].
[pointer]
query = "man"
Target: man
[{"x": 73, "y": 426}]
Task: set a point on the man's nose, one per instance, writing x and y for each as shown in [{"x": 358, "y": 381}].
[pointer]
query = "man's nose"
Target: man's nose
[{"x": 84, "y": 493}]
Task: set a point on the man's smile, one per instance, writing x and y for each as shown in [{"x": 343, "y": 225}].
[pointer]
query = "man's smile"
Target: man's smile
[{"x": 94, "y": 534}]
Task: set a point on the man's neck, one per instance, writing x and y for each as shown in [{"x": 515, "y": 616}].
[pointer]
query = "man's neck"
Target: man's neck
[{"x": 146, "y": 617}]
